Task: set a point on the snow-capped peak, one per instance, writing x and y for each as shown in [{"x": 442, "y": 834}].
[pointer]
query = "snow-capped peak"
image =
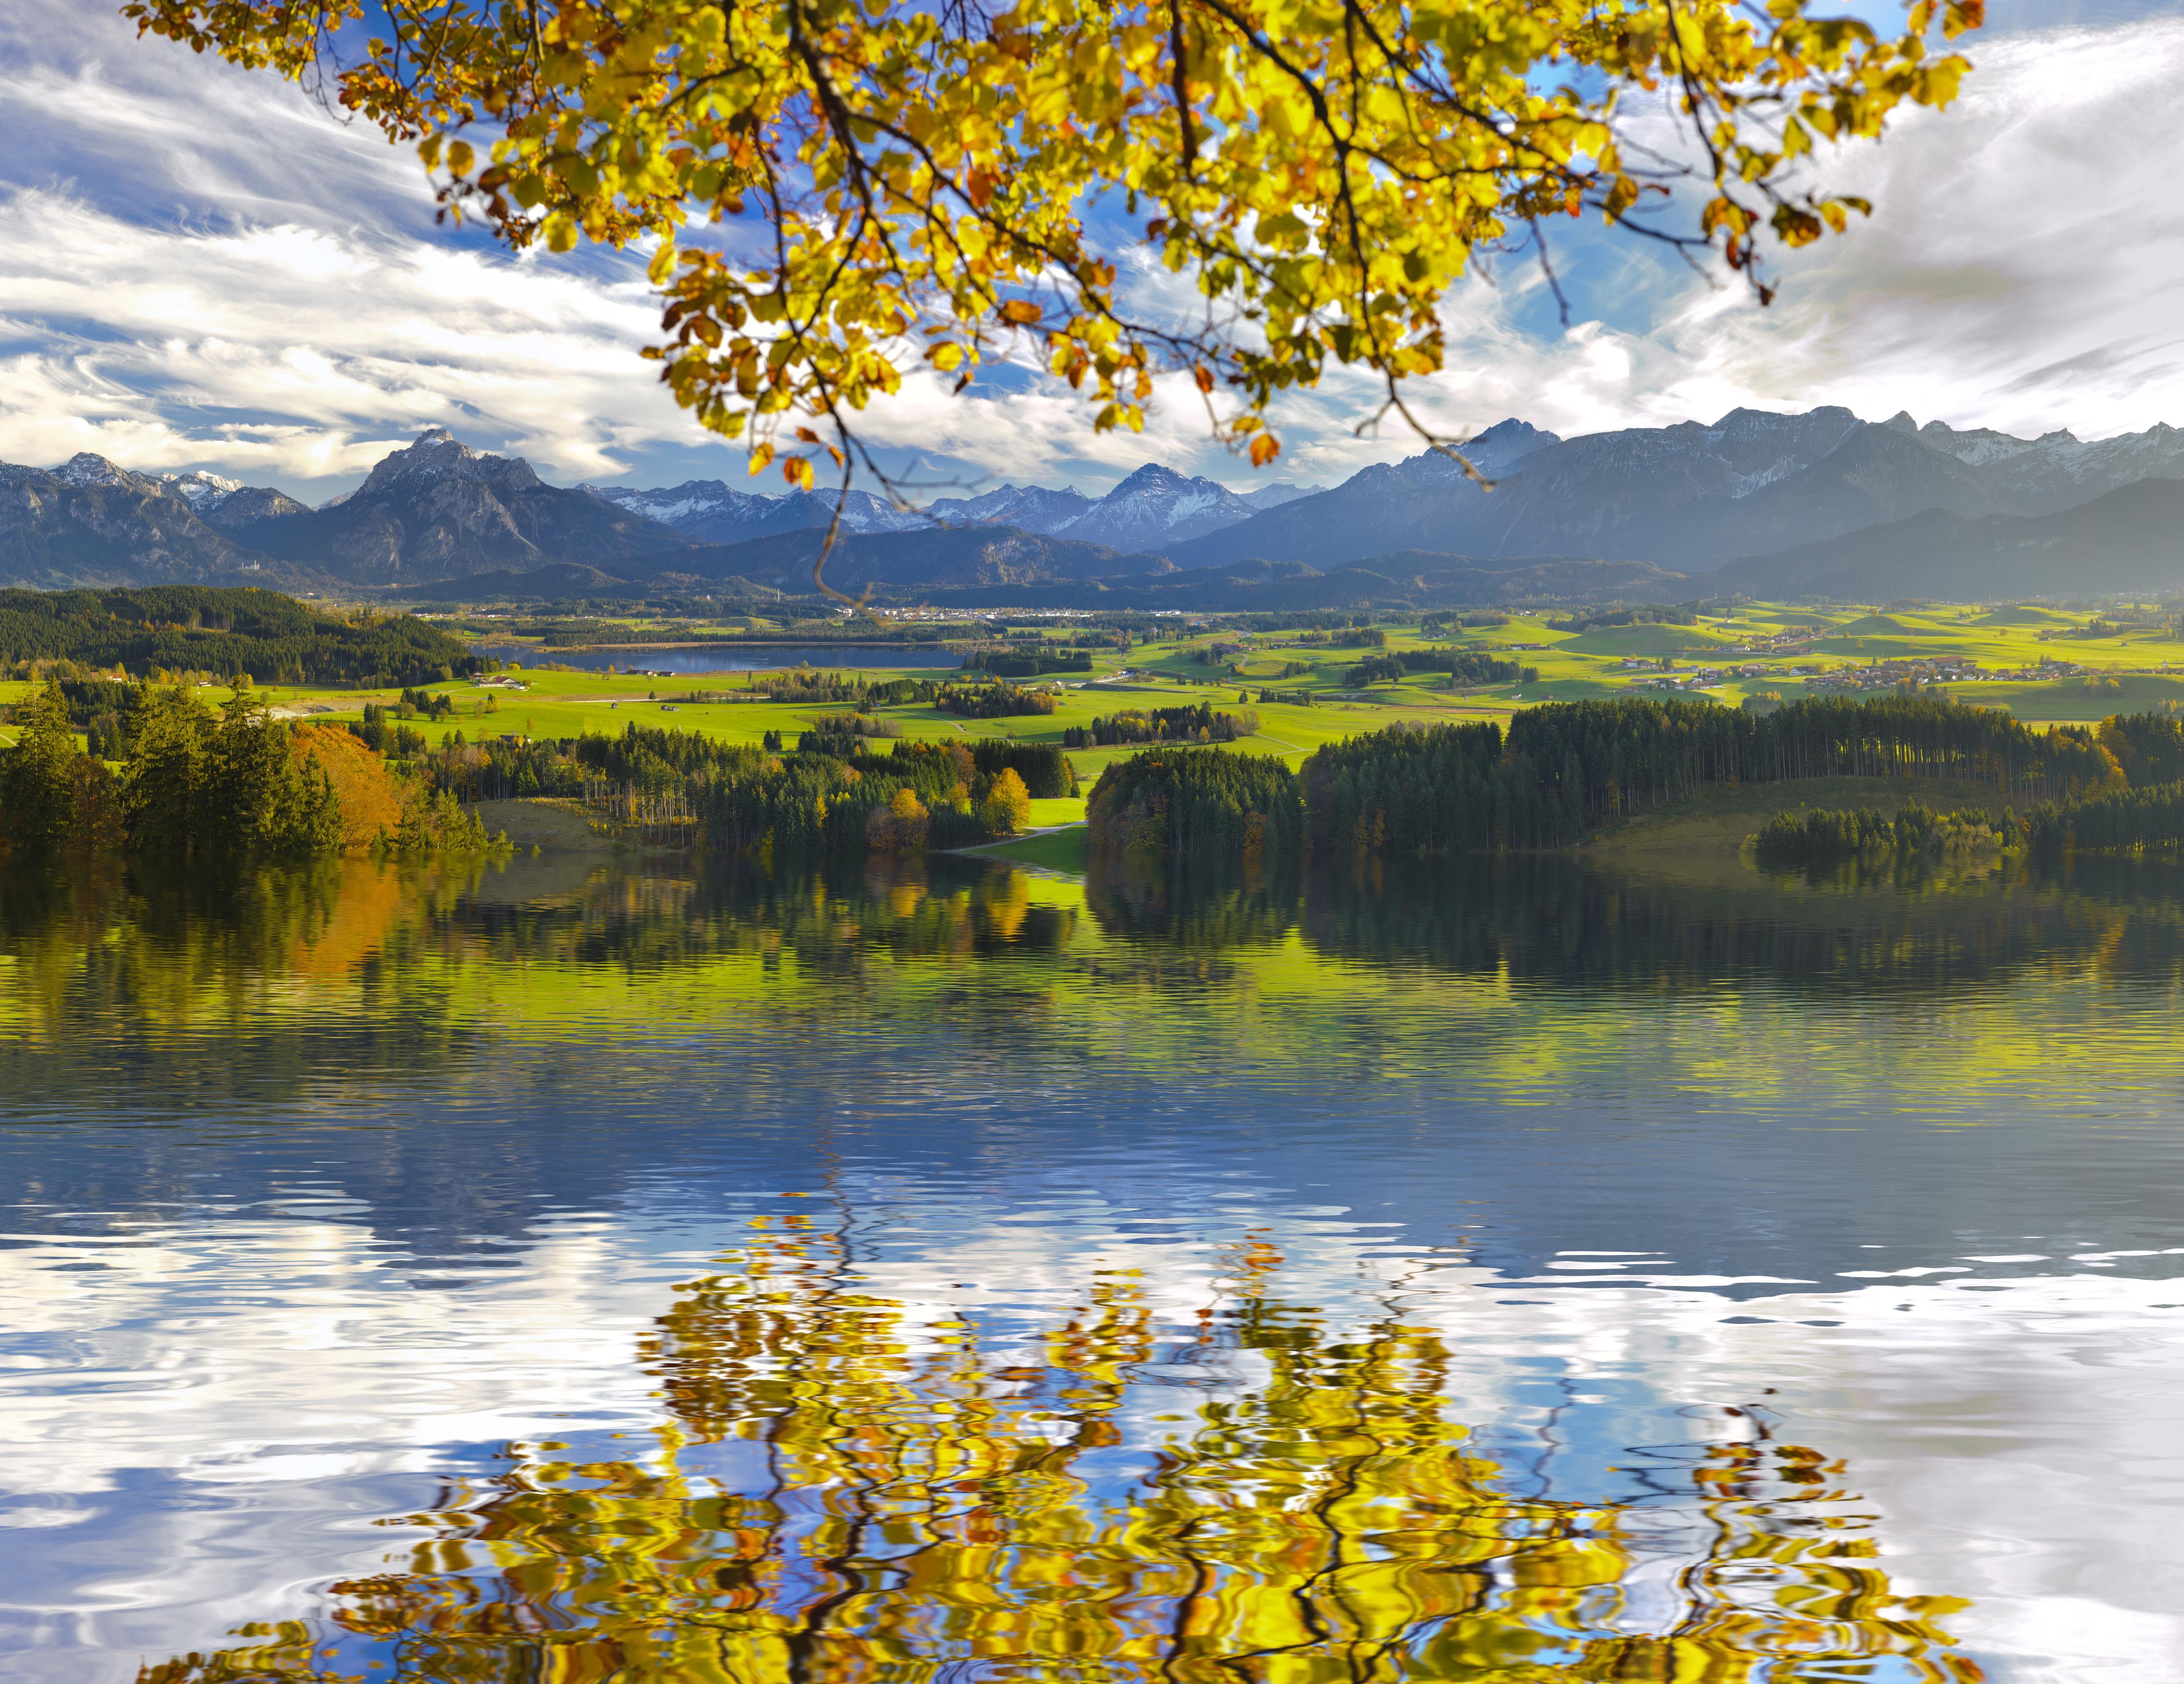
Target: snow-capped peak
[
  {"x": 1156, "y": 505},
  {"x": 198, "y": 488},
  {"x": 85, "y": 469},
  {"x": 1033, "y": 509}
]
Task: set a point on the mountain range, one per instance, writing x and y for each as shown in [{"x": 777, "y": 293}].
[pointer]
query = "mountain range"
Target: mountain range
[
  {"x": 1818, "y": 504},
  {"x": 1155, "y": 506},
  {"x": 1691, "y": 497}
]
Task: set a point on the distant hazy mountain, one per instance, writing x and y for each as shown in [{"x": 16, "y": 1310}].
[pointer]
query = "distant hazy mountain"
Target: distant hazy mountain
[
  {"x": 1031, "y": 509},
  {"x": 1690, "y": 495},
  {"x": 89, "y": 522},
  {"x": 1263, "y": 498},
  {"x": 2131, "y": 539},
  {"x": 1157, "y": 507},
  {"x": 246, "y": 506},
  {"x": 229, "y": 505},
  {"x": 1415, "y": 504},
  {"x": 713, "y": 513},
  {"x": 971, "y": 566},
  {"x": 1821, "y": 503},
  {"x": 2056, "y": 470},
  {"x": 438, "y": 509},
  {"x": 936, "y": 558},
  {"x": 1154, "y": 506},
  {"x": 198, "y": 488}
]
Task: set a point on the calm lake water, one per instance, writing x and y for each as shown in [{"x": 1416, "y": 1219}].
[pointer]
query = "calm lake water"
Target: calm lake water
[
  {"x": 696, "y": 659},
  {"x": 574, "y": 1271}
]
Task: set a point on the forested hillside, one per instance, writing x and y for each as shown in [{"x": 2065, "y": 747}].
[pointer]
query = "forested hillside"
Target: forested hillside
[
  {"x": 193, "y": 628},
  {"x": 1563, "y": 769}
]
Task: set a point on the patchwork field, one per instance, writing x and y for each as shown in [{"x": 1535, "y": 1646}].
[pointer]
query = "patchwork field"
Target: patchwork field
[{"x": 2040, "y": 664}]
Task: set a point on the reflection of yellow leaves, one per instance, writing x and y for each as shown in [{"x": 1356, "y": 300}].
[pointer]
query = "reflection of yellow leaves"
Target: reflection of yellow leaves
[
  {"x": 915, "y": 1504},
  {"x": 373, "y": 896}
]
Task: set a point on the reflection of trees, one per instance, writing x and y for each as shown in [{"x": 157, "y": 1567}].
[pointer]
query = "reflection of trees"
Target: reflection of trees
[
  {"x": 1555, "y": 921},
  {"x": 172, "y": 959},
  {"x": 1561, "y": 922},
  {"x": 845, "y": 1491},
  {"x": 1194, "y": 905}
]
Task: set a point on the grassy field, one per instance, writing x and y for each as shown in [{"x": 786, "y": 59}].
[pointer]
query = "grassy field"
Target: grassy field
[
  {"x": 2124, "y": 667},
  {"x": 1063, "y": 850}
]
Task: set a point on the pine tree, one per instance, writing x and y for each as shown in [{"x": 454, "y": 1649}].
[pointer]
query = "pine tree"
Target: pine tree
[
  {"x": 37, "y": 776},
  {"x": 163, "y": 792}
]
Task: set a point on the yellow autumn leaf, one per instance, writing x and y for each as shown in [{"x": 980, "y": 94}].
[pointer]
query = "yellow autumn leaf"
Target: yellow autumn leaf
[{"x": 904, "y": 167}]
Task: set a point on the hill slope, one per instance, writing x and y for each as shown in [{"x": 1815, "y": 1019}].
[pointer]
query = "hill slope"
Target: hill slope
[{"x": 2132, "y": 539}]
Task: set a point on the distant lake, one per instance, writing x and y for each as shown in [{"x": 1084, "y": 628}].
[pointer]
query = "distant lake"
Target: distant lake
[
  {"x": 581, "y": 1270},
  {"x": 696, "y": 659}
]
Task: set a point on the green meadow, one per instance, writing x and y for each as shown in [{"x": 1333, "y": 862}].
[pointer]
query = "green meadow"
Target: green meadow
[{"x": 2118, "y": 667}]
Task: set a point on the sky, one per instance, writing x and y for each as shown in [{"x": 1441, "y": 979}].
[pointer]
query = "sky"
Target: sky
[{"x": 202, "y": 268}]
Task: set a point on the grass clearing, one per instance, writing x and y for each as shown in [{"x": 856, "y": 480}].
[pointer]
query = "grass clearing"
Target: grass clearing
[{"x": 1066, "y": 851}]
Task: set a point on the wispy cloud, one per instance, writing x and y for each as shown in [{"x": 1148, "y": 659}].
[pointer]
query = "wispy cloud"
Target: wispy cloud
[{"x": 199, "y": 267}]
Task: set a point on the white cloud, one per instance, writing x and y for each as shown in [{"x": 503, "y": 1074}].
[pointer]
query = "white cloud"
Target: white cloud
[{"x": 202, "y": 267}]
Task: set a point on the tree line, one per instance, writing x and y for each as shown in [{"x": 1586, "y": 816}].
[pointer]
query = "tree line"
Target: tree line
[
  {"x": 997, "y": 701},
  {"x": 1823, "y": 837},
  {"x": 832, "y": 795},
  {"x": 1463, "y": 666},
  {"x": 148, "y": 630},
  {"x": 1187, "y": 724},
  {"x": 196, "y": 784},
  {"x": 1027, "y": 663},
  {"x": 1563, "y": 768},
  {"x": 798, "y": 684},
  {"x": 2125, "y": 821},
  {"x": 1196, "y": 802}
]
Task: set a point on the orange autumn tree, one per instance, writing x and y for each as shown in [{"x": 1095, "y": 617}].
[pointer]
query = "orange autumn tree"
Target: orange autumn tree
[
  {"x": 371, "y": 801},
  {"x": 904, "y": 184},
  {"x": 844, "y": 1489}
]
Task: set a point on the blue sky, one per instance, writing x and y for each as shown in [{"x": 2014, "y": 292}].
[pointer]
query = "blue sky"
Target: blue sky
[{"x": 201, "y": 269}]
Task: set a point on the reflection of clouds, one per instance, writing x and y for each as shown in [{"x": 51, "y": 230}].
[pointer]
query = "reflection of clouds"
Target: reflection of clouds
[{"x": 2016, "y": 1433}]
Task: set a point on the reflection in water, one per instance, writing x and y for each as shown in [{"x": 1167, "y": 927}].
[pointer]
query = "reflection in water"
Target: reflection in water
[
  {"x": 340, "y": 986},
  {"x": 847, "y": 1487},
  {"x": 115, "y": 946},
  {"x": 319, "y": 1188}
]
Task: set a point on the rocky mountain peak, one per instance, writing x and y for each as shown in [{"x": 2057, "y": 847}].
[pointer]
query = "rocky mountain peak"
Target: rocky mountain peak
[
  {"x": 1149, "y": 476},
  {"x": 1493, "y": 452},
  {"x": 438, "y": 454},
  {"x": 86, "y": 468},
  {"x": 1154, "y": 504}
]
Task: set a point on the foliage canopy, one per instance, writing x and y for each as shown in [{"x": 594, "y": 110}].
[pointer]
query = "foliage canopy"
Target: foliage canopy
[
  {"x": 197, "y": 628},
  {"x": 905, "y": 182}
]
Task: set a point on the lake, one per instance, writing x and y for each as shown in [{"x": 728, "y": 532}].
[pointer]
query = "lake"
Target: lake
[
  {"x": 695, "y": 660},
  {"x": 1513, "y": 1270}
]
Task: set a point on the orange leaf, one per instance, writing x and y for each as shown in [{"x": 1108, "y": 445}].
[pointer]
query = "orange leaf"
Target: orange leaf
[{"x": 1264, "y": 449}]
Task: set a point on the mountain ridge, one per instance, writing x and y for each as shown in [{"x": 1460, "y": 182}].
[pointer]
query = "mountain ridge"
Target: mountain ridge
[
  {"x": 2126, "y": 539},
  {"x": 1683, "y": 500}
]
